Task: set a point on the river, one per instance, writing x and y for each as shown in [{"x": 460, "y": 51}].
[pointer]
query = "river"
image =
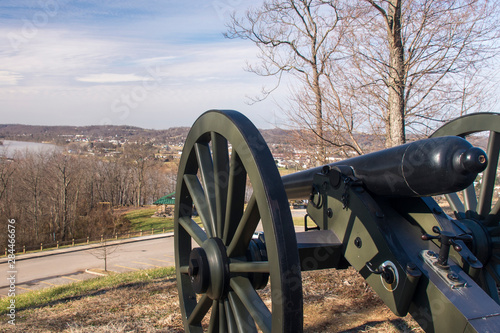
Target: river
[{"x": 10, "y": 148}]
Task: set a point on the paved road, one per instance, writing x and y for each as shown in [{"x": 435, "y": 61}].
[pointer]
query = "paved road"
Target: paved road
[
  {"x": 298, "y": 212},
  {"x": 55, "y": 268}
]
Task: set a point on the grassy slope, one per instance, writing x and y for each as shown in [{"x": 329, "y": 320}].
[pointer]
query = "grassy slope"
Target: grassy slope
[
  {"x": 83, "y": 288},
  {"x": 141, "y": 219},
  {"x": 147, "y": 301}
]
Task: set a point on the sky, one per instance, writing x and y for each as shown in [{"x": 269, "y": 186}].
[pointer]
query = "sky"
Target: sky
[{"x": 153, "y": 64}]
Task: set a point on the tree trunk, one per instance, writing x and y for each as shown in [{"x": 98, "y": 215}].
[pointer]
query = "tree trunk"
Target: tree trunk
[
  {"x": 395, "y": 126},
  {"x": 318, "y": 105}
]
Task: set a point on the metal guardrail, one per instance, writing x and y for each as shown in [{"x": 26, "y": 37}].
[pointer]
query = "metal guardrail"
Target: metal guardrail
[{"x": 88, "y": 240}]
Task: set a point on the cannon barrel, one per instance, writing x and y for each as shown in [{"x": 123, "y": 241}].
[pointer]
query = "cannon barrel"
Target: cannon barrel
[{"x": 421, "y": 168}]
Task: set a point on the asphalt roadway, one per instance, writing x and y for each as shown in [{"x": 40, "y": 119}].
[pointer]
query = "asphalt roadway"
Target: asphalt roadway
[{"x": 57, "y": 267}]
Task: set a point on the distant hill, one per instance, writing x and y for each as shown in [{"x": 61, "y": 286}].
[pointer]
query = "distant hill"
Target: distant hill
[
  {"x": 175, "y": 135},
  {"x": 172, "y": 136},
  {"x": 58, "y": 134}
]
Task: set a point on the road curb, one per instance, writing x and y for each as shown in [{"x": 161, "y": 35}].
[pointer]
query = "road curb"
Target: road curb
[
  {"x": 20, "y": 256},
  {"x": 89, "y": 271}
]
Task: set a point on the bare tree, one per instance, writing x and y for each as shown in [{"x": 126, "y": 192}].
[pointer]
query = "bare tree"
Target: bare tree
[
  {"x": 32, "y": 187},
  {"x": 383, "y": 66},
  {"x": 62, "y": 173},
  {"x": 419, "y": 61},
  {"x": 6, "y": 171},
  {"x": 140, "y": 162},
  {"x": 296, "y": 37},
  {"x": 104, "y": 252}
]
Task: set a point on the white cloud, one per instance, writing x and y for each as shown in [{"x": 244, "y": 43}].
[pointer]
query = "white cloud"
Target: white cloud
[
  {"x": 154, "y": 61},
  {"x": 112, "y": 78},
  {"x": 153, "y": 72},
  {"x": 9, "y": 78},
  {"x": 59, "y": 53}
]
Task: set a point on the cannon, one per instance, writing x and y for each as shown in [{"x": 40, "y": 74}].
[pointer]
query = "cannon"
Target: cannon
[{"x": 374, "y": 212}]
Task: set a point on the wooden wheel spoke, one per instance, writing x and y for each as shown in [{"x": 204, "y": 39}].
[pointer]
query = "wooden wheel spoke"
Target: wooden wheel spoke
[
  {"x": 245, "y": 230},
  {"x": 206, "y": 168},
  {"x": 250, "y": 267},
  {"x": 223, "y": 157},
  {"x": 200, "y": 310},
  {"x": 231, "y": 322},
  {"x": 235, "y": 196},
  {"x": 252, "y": 302},
  {"x": 494, "y": 216},
  {"x": 470, "y": 198},
  {"x": 243, "y": 319},
  {"x": 489, "y": 175},
  {"x": 193, "y": 230},
  {"x": 221, "y": 179},
  {"x": 222, "y": 317},
  {"x": 455, "y": 203},
  {"x": 198, "y": 196},
  {"x": 214, "y": 325}
]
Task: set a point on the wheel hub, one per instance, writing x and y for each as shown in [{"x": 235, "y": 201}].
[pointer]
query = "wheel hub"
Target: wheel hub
[
  {"x": 257, "y": 252},
  {"x": 482, "y": 243},
  {"x": 209, "y": 269}
]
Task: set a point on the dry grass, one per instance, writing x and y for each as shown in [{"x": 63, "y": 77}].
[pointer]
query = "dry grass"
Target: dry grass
[
  {"x": 341, "y": 301},
  {"x": 334, "y": 301}
]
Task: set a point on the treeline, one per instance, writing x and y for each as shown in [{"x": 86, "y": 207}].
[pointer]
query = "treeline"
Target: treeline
[
  {"x": 58, "y": 197},
  {"x": 59, "y": 134}
]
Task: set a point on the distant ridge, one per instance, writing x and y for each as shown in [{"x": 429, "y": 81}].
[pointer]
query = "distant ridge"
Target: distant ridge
[
  {"x": 177, "y": 135},
  {"x": 57, "y": 134}
]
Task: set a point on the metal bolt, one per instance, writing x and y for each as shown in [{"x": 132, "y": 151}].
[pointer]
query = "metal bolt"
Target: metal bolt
[
  {"x": 436, "y": 211},
  {"x": 411, "y": 266},
  {"x": 472, "y": 259},
  {"x": 431, "y": 254},
  {"x": 358, "y": 242},
  {"x": 329, "y": 212},
  {"x": 453, "y": 276}
]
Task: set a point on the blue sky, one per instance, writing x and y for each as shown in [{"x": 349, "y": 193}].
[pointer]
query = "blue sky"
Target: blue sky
[{"x": 153, "y": 64}]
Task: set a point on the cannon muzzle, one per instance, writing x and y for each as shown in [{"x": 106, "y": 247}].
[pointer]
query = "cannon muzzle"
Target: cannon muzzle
[{"x": 417, "y": 169}]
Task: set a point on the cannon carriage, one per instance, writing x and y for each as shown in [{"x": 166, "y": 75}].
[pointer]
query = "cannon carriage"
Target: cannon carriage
[{"x": 374, "y": 212}]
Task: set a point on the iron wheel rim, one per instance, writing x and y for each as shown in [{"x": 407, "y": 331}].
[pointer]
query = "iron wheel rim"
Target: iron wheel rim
[
  {"x": 477, "y": 207},
  {"x": 215, "y": 181}
]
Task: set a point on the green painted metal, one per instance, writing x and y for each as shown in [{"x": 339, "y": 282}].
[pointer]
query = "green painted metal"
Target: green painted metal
[
  {"x": 381, "y": 232},
  {"x": 360, "y": 226},
  {"x": 223, "y": 153},
  {"x": 376, "y": 230},
  {"x": 379, "y": 235},
  {"x": 168, "y": 199},
  {"x": 475, "y": 210}
]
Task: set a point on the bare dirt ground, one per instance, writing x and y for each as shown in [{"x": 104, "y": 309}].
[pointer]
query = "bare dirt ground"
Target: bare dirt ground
[{"x": 334, "y": 301}]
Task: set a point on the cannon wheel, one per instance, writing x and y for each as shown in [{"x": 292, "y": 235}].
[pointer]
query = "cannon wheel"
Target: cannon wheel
[
  {"x": 221, "y": 271},
  {"x": 475, "y": 209}
]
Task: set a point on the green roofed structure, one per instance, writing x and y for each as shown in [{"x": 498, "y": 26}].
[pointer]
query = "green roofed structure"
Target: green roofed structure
[
  {"x": 163, "y": 205},
  {"x": 169, "y": 199}
]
